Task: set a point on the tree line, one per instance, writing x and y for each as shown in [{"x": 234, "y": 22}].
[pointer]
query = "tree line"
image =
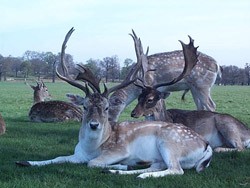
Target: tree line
[{"x": 39, "y": 65}]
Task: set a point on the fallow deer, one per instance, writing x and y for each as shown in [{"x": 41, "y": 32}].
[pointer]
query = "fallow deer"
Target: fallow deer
[
  {"x": 167, "y": 66},
  {"x": 222, "y": 131},
  {"x": 128, "y": 143},
  {"x": 2, "y": 125},
  {"x": 54, "y": 110}
]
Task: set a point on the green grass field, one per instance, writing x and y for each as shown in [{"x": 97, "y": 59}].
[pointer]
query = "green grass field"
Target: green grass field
[{"x": 24, "y": 140}]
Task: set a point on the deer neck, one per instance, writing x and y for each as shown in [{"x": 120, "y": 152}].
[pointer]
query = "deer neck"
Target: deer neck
[
  {"x": 120, "y": 99},
  {"x": 91, "y": 140},
  {"x": 160, "y": 113},
  {"x": 37, "y": 98}
]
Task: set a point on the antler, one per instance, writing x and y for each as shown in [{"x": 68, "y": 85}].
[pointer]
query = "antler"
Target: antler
[
  {"x": 142, "y": 59},
  {"x": 190, "y": 57},
  {"x": 86, "y": 75},
  {"x": 66, "y": 77},
  {"x": 132, "y": 75}
]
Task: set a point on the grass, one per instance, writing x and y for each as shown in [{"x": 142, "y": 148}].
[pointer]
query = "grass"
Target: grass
[{"x": 25, "y": 140}]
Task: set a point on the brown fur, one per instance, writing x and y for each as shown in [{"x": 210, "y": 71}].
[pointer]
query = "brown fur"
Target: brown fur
[{"x": 2, "y": 125}]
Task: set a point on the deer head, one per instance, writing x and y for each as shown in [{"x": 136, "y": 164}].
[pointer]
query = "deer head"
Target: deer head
[
  {"x": 41, "y": 92},
  {"x": 95, "y": 103},
  {"x": 150, "y": 96}
]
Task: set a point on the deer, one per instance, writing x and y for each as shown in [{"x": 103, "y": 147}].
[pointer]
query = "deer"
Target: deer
[
  {"x": 223, "y": 132},
  {"x": 2, "y": 125},
  {"x": 117, "y": 147},
  {"x": 167, "y": 66},
  {"x": 44, "y": 110}
]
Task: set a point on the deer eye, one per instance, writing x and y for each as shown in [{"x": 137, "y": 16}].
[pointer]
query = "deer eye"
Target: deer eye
[
  {"x": 84, "y": 108},
  {"x": 106, "y": 109},
  {"x": 150, "y": 101}
]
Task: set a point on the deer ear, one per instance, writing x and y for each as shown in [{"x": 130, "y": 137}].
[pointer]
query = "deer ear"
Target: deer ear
[
  {"x": 75, "y": 99},
  {"x": 164, "y": 95}
]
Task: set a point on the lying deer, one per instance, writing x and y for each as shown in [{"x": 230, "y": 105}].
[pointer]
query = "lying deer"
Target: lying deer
[
  {"x": 2, "y": 125},
  {"x": 222, "y": 131},
  {"x": 52, "y": 111},
  {"x": 128, "y": 143},
  {"x": 167, "y": 66}
]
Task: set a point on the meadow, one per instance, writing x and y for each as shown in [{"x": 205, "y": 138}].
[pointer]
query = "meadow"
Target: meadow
[{"x": 25, "y": 140}]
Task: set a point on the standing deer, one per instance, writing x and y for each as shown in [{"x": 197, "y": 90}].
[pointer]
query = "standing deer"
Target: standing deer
[
  {"x": 2, "y": 125},
  {"x": 52, "y": 111},
  {"x": 128, "y": 143},
  {"x": 222, "y": 131},
  {"x": 167, "y": 66}
]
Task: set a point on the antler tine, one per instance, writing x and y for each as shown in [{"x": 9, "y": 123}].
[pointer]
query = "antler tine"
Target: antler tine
[
  {"x": 130, "y": 78},
  {"x": 66, "y": 76},
  {"x": 64, "y": 46},
  {"x": 190, "y": 57},
  {"x": 87, "y": 76},
  {"x": 141, "y": 57},
  {"x": 132, "y": 75}
]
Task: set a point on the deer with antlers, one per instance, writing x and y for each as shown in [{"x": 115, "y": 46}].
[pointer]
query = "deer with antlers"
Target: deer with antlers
[
  {"x": 55, "y": 110},
  {"x": 128, "y": 143},
  {"x": 222, "y": 131},
  {"x": 167, "y": 66}
]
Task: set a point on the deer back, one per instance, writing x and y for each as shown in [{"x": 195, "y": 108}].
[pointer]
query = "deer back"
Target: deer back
[
  {"x": 169, "y": 65},
  {"x": 51, "y": 111},
  {"x": 55, "y": 111}
]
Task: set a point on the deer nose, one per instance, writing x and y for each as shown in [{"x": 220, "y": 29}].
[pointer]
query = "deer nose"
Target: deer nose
[{"x": 94, "y": 125}]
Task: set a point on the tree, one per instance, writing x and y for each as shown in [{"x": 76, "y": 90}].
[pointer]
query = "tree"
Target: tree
[
  {"x": 1, "y": 66},
  {"x": 111, "y": 68},
  {"x": 25, "y": 68},
  {"x": 127, "y": 65},
  {"x": 233, "y": 75},
  {"x": 247, "y": 73}
]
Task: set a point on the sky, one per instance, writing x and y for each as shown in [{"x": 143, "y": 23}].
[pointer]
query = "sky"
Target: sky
[{"x": 221, "y": 28}]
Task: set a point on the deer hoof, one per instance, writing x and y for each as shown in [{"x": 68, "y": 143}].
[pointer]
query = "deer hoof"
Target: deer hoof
[{"x": 23, "y": 163}]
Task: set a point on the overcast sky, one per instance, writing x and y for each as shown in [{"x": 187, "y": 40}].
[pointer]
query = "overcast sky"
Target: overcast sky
[{"x": 221, "y": 28}]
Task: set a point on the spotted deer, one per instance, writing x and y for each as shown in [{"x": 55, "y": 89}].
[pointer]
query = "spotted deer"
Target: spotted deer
[
  {"x": 54, "y": 110},
  {"x": 2, "y": 125},
  {"x": 222, "y": 131},
  {"x": 167, "y": 66},
  {"x": 126, "y": 144}
]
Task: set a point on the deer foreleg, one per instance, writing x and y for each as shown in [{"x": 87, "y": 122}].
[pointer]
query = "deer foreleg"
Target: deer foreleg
[{"x": 58, "y": 160}]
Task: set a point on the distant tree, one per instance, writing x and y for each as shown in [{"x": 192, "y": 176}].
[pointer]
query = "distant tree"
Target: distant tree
[
  {"x": 25, "y": 68},
  {"x": 247, "y": 73},
  {"x": 233, "y": 75},
  {"x": 111, "y": 68},
  {"x": 127, "y": 65},
  {"x": 1, "y": 66}
]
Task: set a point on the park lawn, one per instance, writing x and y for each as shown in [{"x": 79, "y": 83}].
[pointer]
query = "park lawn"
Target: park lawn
[{"x": 25, "y": 140}]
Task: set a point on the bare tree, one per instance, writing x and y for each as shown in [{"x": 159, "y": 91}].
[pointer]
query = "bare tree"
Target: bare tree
[
  {"x": 111, "y": 67},
  {"x": 127, "y": 65},
  {"x": 247, "y": 73}
]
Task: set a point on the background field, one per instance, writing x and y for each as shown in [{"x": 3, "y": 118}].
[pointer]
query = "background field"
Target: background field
[{"x": 36, "y": 141}]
